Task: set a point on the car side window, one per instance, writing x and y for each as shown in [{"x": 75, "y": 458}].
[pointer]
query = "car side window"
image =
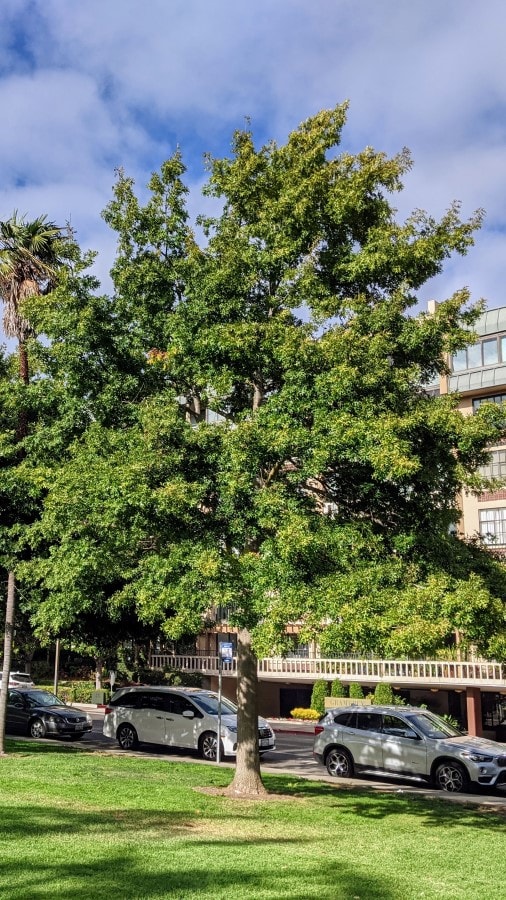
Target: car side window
[
  {"x": 164, "y": 702},
  {"x": 397, "y": 727},
  {"x": 368, "y": 721},
  {"x": 155, "y": 701},
  {"x": 150, "y": 700},
  {"x": 128, "y": 700},
  {"x": 344, "y": 718},
  {"x": 15, "y": 699},
  {"x": 181, "y": 704}
]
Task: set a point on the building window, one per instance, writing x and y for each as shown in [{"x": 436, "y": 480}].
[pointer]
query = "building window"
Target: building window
[
  {"x": 493, "y": 526},
  {"x": 489, "y": 352},
  {"x": 496, "y": 467},
  {"x": 495, "y": 398},
  {"x": 474, "y": 357},
  {"x": 459, "y": 362}
]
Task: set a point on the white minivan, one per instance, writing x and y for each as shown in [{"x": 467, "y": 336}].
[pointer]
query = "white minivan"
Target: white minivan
[{"x": 177, "y": 717}]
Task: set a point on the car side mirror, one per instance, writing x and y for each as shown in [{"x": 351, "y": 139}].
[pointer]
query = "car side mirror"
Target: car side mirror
[{"x": 188, "y": 714}]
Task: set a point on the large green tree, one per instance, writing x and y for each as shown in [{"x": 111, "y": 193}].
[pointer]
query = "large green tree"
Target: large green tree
[{"x": 287, "y": 460}]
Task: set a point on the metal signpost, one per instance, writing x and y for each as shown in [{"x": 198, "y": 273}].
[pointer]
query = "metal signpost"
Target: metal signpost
[{"x": 225, "y": 654}]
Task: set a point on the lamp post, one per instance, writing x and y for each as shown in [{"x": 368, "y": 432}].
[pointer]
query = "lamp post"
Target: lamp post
[{"x": 56, "y": 666}]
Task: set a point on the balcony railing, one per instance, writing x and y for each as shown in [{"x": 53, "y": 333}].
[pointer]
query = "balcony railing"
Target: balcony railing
[{"x": 449, "y": 673}]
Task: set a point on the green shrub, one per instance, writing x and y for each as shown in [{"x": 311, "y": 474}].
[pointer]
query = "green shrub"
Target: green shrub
[
  {"x": 451, "y": 720},
  {"x": 320, "y": 691},
  {"x": 356, "y": 692},
  {"x": 188, "y": 679},
  {"x": 148, "y": 676},
  {"x": 310, "y": 715},
  {"x": 167, "y": 676},
  {"x": 383, "y": 694},
  {"x": 337, "y": 689},
  {"x": 75, "y": 691}
]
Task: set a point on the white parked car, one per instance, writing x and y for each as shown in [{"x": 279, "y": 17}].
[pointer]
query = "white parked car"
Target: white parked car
[
  {"x": 177, "y": 717},
  {"x": 19, "y": 679}
]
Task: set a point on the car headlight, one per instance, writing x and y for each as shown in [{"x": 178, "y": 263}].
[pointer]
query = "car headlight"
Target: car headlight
[
  {"x": 232, "y": 729},
  {"x": 476, "y": 756},
  {"x": 89, "y": 720},
  {"x": 54, "y": 720}
]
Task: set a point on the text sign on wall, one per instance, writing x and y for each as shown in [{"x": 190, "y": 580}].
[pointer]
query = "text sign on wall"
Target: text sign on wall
[{"x": 334, "y": 702}]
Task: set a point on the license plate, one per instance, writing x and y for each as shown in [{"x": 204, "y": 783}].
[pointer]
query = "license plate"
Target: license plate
[
  {"x": 265, "y": 742},
  {"x": 80, "y": 726}
]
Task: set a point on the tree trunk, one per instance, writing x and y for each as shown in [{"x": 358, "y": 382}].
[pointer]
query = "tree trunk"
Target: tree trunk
[
  {"x": 9, "y": 632},
  {"x": 247, "y": 780}
]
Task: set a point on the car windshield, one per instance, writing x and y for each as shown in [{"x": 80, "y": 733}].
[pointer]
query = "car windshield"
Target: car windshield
[
  {"x": 43, "y": 698},
  {"x": 209, "y": 703},
  {"x": 19, "y": 676},
  {"x": 432, "y": 726}
]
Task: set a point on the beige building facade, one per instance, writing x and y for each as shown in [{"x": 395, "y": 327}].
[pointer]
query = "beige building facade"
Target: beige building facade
[{"x": 478, "y": 375}]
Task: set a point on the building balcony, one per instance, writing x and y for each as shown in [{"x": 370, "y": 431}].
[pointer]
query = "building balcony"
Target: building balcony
[{"x": 448, "y": 674}]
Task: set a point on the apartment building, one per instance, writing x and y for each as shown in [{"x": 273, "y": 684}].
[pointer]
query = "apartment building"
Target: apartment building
[{"x": 478, "y": 374}]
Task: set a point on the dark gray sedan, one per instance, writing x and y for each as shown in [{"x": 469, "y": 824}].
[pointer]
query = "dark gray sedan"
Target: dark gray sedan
[{"x": 42, "y": 714}]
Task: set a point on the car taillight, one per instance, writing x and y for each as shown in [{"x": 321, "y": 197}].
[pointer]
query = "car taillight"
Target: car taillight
[
  {"x": 108, "y": 709},
  {"x": 318, "y": 729}
]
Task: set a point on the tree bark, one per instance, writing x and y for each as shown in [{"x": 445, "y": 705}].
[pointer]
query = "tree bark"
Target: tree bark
[
  {"x": 247, "y": 781},
  {"x": 9, "y": 632}
]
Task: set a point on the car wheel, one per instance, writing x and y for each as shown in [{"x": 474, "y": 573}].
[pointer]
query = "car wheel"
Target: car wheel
[
  {"x": 339, "y": 763},
  {"x": 452, "y": 777},
  {"x": 127, "y": 737},
  {"x": 208, "y": 744},
  {"x": 38, "y": 728}
]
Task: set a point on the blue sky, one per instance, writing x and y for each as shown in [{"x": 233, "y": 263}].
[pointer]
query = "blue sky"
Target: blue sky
[{"x": 89, "y": 85}]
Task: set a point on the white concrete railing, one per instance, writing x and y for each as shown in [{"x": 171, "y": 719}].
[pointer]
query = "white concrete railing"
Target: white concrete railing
[{"x": 407, "y": 672}]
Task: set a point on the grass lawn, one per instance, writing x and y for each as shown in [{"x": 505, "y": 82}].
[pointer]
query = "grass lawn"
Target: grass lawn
[{"x": 80, "y": 824}]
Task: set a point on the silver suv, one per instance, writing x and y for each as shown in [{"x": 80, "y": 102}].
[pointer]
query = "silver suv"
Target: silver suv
[{"x": 409, "y": 742}]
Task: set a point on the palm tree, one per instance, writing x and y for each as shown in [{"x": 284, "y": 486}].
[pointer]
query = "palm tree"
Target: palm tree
[{"x": 29, "y": 260}]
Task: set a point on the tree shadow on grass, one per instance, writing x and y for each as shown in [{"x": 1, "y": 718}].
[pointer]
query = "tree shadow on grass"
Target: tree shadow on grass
[
  {"x": 139, "y": 868},
  {"x": 371, "y": 804}
]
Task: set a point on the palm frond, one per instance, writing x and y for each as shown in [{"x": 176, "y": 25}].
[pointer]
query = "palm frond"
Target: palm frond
[{"x": 29, "y": 260}]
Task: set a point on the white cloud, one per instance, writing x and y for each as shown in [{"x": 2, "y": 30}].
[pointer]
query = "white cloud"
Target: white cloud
[{"x": 91, "y": 85}]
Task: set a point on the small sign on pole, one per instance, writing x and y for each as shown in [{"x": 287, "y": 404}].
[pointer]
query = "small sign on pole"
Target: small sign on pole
[{"x": 226, "y": 651}]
